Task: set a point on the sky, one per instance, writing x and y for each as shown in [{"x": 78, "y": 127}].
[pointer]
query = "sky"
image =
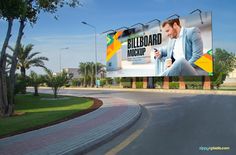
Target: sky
[{"x": 74, "y": 42}]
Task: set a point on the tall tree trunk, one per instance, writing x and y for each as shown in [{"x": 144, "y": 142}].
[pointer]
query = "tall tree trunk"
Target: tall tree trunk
[
  {"x": 22, "y": 70},
  {"x": 3, "y": 76},
  {"x": 13, "y": 67},
  {"x": 92, "y": 75},
  {"x": 36, "y": 91},
  {"x": 55, "y": 92},
  {"x": 84, "y": 84}
]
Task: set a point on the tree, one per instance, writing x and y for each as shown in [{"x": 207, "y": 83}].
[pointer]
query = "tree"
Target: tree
[
  {"x": 9, "y": 11},
  {"x": 91, "y": 71},
  {"x": 27, "y": 59},
  {"x": 100, "y": 70},
  {"x": 35, "y": 80},
  {"x": 83, "y": 71},
  {"x": 224, "y": 63},
  {"x": 87, "y": 71},
  {"x": 25, "y": 11},
  {"x": 56, "y": 81}
]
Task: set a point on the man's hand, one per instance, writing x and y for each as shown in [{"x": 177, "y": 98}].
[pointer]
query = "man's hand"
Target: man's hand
[
  {"x": 157, "y": 53},
  {"x": 168, "y": 62}
]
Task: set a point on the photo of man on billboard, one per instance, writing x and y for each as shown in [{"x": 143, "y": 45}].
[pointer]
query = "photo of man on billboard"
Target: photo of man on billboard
[{"x": 184, "y": 47}]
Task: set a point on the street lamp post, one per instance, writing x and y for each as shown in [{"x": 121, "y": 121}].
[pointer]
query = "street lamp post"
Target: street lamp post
[
  {"x": 95, "y": 37},
  {"x": 65, "y": 48}
]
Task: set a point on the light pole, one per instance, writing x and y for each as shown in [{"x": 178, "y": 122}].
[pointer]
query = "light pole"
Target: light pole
[
  {"x": 65, "y": 48},
  {"x": 95, "y": 37}
]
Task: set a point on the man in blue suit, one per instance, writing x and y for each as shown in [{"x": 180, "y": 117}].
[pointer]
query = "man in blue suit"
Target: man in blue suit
[{"x": 183, "y": 49}]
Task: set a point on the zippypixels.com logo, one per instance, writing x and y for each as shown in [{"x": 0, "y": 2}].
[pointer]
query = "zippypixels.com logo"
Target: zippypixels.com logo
[{"x": 214, "y": 148}]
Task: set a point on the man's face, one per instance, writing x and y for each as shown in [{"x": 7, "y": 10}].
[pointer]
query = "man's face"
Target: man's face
[{"x": 170, "y": 31}]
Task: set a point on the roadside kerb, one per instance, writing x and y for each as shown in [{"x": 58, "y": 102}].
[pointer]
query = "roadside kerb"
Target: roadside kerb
[
  {"x": 76, "y": 135},
  {"x": 186, "y": 91}
]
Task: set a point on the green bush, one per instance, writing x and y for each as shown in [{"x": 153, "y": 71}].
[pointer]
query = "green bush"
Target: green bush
[
  {"x": 194, "y": 85},
  {"x": 67, "y": 85},
  {"x": 126, "y": 82},
  {"x": 193, "y": 82},
  {"x": 75, "y": 82},
  {"x": 174, "y": 85},
  {"x": 109, "y": 81},
  {"x": 139, "y": 84},
  {"x": 102, "y": 82},
  {"x": 217, "y": 80},
  {"x": 21, "y": 83},
  {"x": 158, "y": 84},
  {"x": 158, "y": 81},
  {"x": 117, "y": 80}
]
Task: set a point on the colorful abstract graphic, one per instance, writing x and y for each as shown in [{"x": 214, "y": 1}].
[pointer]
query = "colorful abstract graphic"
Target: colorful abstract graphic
[
  {"x": 113, "y": 45},
  {"x": 205, "y": 62}
]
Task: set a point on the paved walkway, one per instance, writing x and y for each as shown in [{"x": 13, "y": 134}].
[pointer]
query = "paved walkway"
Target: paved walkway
[
  {"x": 184, "y": 91},
  {"x": 78, "y": 135}
]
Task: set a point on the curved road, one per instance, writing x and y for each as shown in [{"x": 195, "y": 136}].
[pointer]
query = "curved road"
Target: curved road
[{"x": 173, "y": 124}]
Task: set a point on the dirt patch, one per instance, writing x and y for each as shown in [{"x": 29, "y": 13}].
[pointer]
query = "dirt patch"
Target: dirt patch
[
  {"x": 55, "y": 99},
  {"x": 18, "y": 113},
  {"x": 96, "y": 104}
]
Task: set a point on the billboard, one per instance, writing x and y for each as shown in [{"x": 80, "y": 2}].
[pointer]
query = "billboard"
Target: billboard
[{"x": 175, "y": 47}]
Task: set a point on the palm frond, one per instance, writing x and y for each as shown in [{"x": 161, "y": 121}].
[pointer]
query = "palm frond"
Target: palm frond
[{"x": 30, "y": 56}]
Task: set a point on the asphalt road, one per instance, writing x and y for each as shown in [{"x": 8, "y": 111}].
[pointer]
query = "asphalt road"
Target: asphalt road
[{"x": 173, "y": 124}]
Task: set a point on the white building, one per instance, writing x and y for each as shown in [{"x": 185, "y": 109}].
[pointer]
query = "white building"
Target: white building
[
  {"x": 231, "y": 79},
  {"x": 73, "y": 71}
]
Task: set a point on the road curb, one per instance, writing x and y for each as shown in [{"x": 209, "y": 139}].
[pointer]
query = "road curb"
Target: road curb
[
  {"x": 106, "y": 138},
  {"x": 184, "y": 91},
  {"x": 181, "y": 91},
  {"x": 78, "y": 135}
]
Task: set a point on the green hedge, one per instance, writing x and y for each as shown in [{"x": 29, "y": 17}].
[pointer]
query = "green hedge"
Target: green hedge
[
  {"x": 102, "y": 82},
  {"x": 126, "y": 82},
  {"x": 174, "y": 85},
  {"x": 194, "y": 85},
  {"x": 139, "y": 84},
  {"x": 117, "y": 80},
  {"x": 109, "y": 81},
  {"x": 75, "y": 82}
]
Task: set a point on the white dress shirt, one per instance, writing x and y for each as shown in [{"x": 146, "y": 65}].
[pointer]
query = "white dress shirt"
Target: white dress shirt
[{"x": 178, "y": 47}]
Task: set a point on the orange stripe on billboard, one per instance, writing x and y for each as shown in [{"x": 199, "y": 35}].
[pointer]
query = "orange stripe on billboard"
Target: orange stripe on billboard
[{"x": 113, "y": 47}]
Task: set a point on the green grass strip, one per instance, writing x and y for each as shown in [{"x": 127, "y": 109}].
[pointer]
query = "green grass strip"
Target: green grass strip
[{"x": 41, "y": 110}]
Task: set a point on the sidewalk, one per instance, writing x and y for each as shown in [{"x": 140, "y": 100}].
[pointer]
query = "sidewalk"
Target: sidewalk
[
  {"x": 78, "y": 135},
  {"x": 181, "y": 91}
]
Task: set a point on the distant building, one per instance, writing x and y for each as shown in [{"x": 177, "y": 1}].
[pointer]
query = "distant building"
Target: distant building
[
  {"x": 73, "y": 71},
  {"x": 231, "y": 79}
]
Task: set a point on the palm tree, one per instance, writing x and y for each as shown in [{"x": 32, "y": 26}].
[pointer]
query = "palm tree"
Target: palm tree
[
  {"x": 84, "y": 71},
  {"x": 92, "y": 73},
  {"x": 56, "y": 81},
  {"x": 27, "y": 59},
  {"x": 87, "y": 71},
  {"x": 100, "y": 70},
  {"x": 35, "y": 80}
]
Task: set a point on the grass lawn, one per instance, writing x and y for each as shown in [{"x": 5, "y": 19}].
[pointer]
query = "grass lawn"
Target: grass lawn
[
  {"x": 228, "y": 88},
  {"x": 38, "y": 111}
]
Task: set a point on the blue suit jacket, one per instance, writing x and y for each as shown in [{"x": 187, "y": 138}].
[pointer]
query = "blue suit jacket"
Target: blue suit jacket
[{"x": 192, "y": 45}]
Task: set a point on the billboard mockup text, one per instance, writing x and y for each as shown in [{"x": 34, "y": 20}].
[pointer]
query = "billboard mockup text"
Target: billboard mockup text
[{"x": 177, "y": 47}]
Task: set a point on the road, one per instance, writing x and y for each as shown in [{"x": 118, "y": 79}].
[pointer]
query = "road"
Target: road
[{"x": 173, "y": 124}]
